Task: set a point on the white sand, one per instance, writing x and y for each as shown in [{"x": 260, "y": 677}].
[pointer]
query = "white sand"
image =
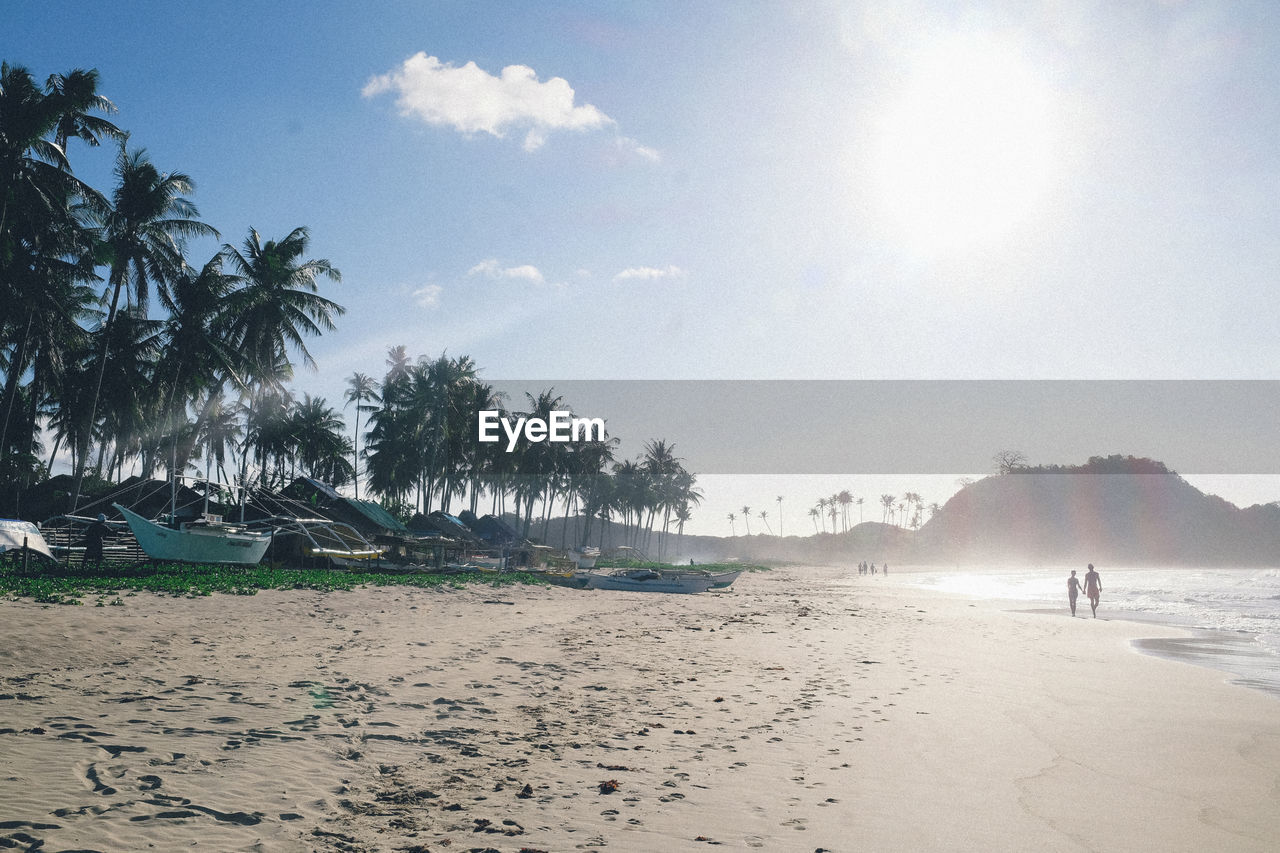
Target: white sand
[{"x": 854, "y": 713}]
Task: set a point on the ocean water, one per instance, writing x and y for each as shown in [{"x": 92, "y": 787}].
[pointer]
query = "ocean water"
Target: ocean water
[{"x": 1234, "y": 614}]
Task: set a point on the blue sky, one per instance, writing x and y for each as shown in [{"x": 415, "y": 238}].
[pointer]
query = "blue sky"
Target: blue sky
[{"x": 764, "y": 190}]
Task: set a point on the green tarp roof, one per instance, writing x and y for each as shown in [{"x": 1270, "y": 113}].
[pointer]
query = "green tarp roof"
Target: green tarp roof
[{"x": 376, "y": 514}]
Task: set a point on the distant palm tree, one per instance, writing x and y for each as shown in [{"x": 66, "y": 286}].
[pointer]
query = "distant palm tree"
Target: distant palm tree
[
  {"x": 844, "y": 499},
  {"x": 814, "y": 513},
  {"x": 779, "y": 516},
  {"x": 822, "y": 513},
  {"x": 746, "y": 518},
  {"x": 733, "y": 527},
  {"x": 764, "y": 516},
  {"x": 360, "y": 390},
  {"x": 887, "y": 502},
  {"x": 318, "y": 443}
]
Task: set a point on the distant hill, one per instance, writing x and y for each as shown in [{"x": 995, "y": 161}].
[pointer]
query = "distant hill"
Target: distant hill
[
  {"x": 1117, "y": 510},
  {"x": 1114, "y": 510}
]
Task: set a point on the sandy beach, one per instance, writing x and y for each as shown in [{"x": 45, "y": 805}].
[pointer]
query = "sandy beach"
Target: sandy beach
[{"x": 805, "y": 709}]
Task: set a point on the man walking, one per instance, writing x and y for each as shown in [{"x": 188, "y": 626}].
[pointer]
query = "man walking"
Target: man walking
[{"x": 1093, "y": 589}]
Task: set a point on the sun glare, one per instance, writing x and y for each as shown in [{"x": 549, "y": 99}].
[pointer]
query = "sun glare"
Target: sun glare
[{"x": 966, "y": 146}]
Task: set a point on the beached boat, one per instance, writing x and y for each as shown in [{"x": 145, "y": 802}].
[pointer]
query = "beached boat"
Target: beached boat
[
  {"x": 584, "y": 558},
  {"x": 205, "y": 541},
  {"x": 723, "y": 580},
  {"x": 16, "y": 535},
  {"x": 647, "y": 580}
]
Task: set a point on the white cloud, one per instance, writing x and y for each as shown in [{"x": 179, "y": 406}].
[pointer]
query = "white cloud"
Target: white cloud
[
  {"x": 490, "y": 268},
  {"x": 626, "y": 143},
  {"x": 471, "y": 100},
  {"x": 428, "y": 296},
  {"x": 649, "y": 273}
]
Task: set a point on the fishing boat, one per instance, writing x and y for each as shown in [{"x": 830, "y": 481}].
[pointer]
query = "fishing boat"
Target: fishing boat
[
  {"x": 647, "y": 580},
  {"x": 18, "y": 536},
  {"x": 208, "y": 540},
  {"x": 723, "y": 580},
  {"x": 584, "y": 558}
]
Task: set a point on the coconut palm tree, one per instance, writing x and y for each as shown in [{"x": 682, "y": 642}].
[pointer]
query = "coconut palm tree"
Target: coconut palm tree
[
  {"x": 779, "y": 515},
  {"x": 814, "y": 513},
  {"x": 844, "y": 499},
  {"x": 764, "y": 516},
  {"x": 276, "y": 305},
  {"x": 46, "y": 246},
  {"x": 733, "y": 527},
  {"x": 143, "y": 231},
  {"x": 318, "y": 443},
  {"x": 74, "y": 98},
  {"x": 746, "y": 518},
  {"x": 361, "y": 390},
  {"x": 886, "y": 501}
]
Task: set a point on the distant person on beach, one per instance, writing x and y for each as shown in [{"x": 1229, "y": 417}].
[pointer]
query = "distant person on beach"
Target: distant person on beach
[
  {"x": 93, "y": 536},
  {"x": 1093, "y": 589},
  {"x": 1073, "y": 590},
  {"x": 884, "y": 570}
]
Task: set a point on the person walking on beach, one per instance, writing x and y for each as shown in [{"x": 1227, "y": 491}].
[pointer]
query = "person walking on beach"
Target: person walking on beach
[
  {"x": 1093, "y": 589},
  {"x": 93, "y": 536},
  {"x": 1073, "y": 590}
]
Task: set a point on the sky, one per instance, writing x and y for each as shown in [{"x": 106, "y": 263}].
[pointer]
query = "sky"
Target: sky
[{"x": 696, "y": 190}]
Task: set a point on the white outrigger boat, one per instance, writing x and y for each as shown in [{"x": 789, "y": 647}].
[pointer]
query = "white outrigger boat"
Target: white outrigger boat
[
  {"x": 648, "y": 580},
  {"x": 205, "y": 541},
  {"x": 17, "y": 536}
]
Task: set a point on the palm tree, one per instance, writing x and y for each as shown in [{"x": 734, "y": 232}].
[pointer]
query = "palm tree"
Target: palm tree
[
  {"x": 779, "y": 516},
  {"x": 318, "y": 442},
  {"x": 822, "y": 513},
  {"x": 144, "y": 228},
  {"x": 844, "y": 499},
  {"x": 746, "y": 518},
  {"x": 74, "y": 96},
  {"x": 46, "y": 247},
  {"x": 814, "y": 513},
  {"x": 276, "y": 305},
  {"x": 732, "y": 527},
  {"x": 764, "y": 516},
  {"x": 887, "y": 502},
  {"x": 360, "y": 390}
]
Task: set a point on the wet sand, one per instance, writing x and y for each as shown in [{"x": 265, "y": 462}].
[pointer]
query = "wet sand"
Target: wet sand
[{"x": 805, "y": 709}]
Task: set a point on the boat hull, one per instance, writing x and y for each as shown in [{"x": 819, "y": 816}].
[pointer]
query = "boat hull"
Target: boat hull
[
  {"x": 16, "y": 534},
  {"x": 212, "y": 544},
  {"x": 655, "y": 583}
]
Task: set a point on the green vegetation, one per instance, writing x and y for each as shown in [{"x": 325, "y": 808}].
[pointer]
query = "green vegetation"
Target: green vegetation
[{"x": 191, "y": 581}]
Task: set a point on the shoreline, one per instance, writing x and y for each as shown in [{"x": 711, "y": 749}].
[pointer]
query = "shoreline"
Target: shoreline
[
  {"x": 806, "y": 708},
  {"x": 1238, "y": 653}
]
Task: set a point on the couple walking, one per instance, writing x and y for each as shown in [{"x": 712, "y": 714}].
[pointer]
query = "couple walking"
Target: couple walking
[{"x": 1092, "y": 588}]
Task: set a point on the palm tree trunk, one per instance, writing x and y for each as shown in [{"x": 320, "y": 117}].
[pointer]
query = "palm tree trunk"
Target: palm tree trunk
[{"x": 97, "y": 389}]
